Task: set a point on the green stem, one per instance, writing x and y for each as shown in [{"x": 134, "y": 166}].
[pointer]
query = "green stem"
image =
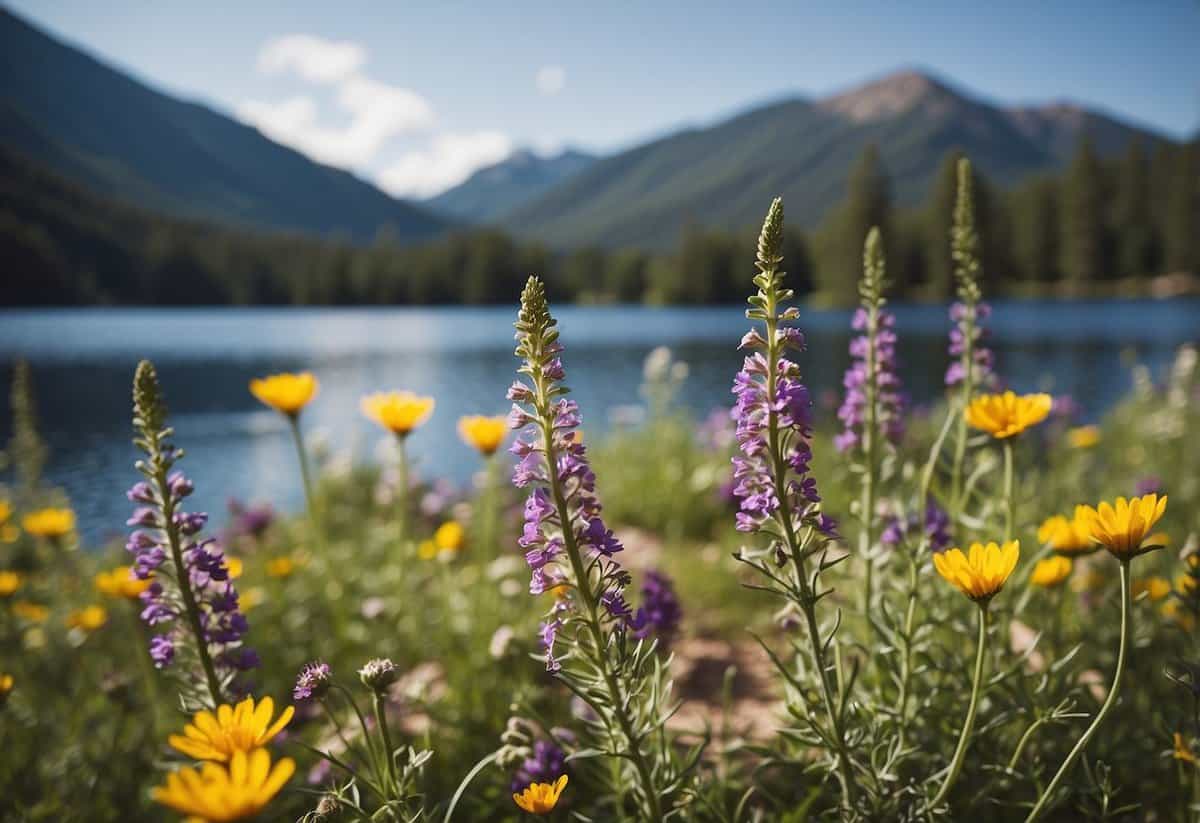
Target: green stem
[
  {"x": 779, "y": 479},
  {"x": 388, "y": 750},
  {"x": 1025, "y": 738},
  {"x": 487, "y": 513},
  {"x": 866, "y": 537},
  {"x": 1109, "y": 702},
  {"x": 967, "y": 360},
  {"x": 309, "y": 497},
  {"x": 906, "y": 660},
  {"x": 184, "y": 581},
  {"x": 402, "y": 486},
  {"x": 964, "y": 739},
  {"x": 1010, "y": 498}
]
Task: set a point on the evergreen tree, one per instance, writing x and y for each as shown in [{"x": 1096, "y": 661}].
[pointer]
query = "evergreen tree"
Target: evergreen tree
[
  {"x": 1035, "y": 216},
  {"x": 939, "y": 217},
  {"x": 868, "y": 203},
  {"x": 1182, "y": 214},
  {"x": 1132, "y": 222},
  {"x": 1083, "y": 241}
]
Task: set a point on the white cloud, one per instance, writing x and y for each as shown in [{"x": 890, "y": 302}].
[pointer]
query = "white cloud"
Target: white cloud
[
  {"x": 447, "y": 161},
  {"x": 369, "y": 116},
  {"x": 313, "y": 58},
  {"x": 550, "y": 80}
]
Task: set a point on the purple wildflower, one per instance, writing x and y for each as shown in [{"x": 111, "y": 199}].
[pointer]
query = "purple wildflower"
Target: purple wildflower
[
  {"x": 546, "y": 763},
  {"x": 250, "y": 521},
  {"x": 936, "y": 530},
  {"x": 313, "y": 681},
  {"x": 968, "y": 334},
  {"x": 874, "y": 351},
  {"x": 659, "y": 614}
]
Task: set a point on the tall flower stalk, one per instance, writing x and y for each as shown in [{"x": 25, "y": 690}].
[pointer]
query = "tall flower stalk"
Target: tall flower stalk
[
  {"x": 399, "y": 412},
  {"x": 778, "y": 499},
  {"x": 973, "y": 364},
  {"x": 190, "y": 594},
  {"x": 570, "y": 549},
  {"x": 289, "y": 394},
  {"x": 872, "y": 411}
]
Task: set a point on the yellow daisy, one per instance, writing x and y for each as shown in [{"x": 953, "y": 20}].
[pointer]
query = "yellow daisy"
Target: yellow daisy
[
  {"x": 1065, "y": 536},
  {"x": 286, "y": 393},
  {"x": 1083, "y": 437},
  {"x": 89, "y": 619},
  {"x": 232, "y": 729},
  {"x": 215, "y": 794},
  {"x": 33, "y": 612},
  {"x": 1155, "y": 588},
  {"x": 982, "y": 571},
  {"x": 485, "y": 434},
  {"x": 120, "y": 582},
  {"x": 1008, "y": 414},
  {"x": 1122, "y": 526},
  {"x": 1051, "y": 572},
  {"x": 540, "y": 798},
  {"x": 9, "y": 583},
  {"x": 51, "y": 523},
  {"x": 449, "y": 537},
  {"x": 399, "y": 411}
]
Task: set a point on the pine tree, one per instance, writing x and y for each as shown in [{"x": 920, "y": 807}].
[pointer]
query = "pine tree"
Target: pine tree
[
  {"x": 1035, "y": 216},
  {"x": 939, "y": 216},
  {"x": 1182, "y": 219},
  {"x": 1083, "y": 240},
  {"x": 868, "y": 203},
  {"x": 1133, "y": 226}
]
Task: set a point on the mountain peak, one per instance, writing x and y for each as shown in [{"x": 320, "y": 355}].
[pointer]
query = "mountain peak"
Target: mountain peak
[{"x": 890, "y": 95}]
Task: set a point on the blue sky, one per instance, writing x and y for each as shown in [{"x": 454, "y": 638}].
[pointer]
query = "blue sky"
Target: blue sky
[{"x": 416, "y": 95}]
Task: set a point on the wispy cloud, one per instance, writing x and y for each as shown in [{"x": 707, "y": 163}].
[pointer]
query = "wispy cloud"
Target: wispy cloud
[
  {"x": 449, "y": 160},
  {"x": 550, "y": 80},
  {"x": 371, "y": 114}
]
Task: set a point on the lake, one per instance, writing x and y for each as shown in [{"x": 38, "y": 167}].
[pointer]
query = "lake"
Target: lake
[{"x": 83, "y": 362}]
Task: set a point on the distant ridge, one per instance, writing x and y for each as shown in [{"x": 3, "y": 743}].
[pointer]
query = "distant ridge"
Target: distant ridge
[
  {"x": 516, "y": 180},
  {"x": 106, "y": 130},
  {"x": 721, "y": 175}
]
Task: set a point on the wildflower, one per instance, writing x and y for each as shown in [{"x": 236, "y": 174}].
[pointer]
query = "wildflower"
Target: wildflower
[
  {"x": 1072, "y": 537},
  {"x": 873, "y": 388},
  {"x": 1185, "y": 584},
  {"x": 980, "y": 573},
  {"x": 1008, "y": 414},
  {"x": 399, "y": 411},
  {"x": 6, "y": 687},
  {"x": 936, "y": 530},
  {"x": 449, "y": 537},
  {"x": 190, "y": 601},
  {"x": 313, "y": 681},
  {"x": 88, "y": 619},
  {"x": 659, "y": 614},
  {"x": 253, "y": 596},
  {"x": 215, "y": 794},
  {"x": 1182, "y": 751},
  {"x": 121, "y": 582},
  {"x": 484, "y": 434},
  {"x": 1173, "y": 610},
  {"x": 286, "y": 393},
  {"x": 968, "y": 320},
  {"x": 233, "y": 729},
  {"x": 1121, "y": 527},
  {"x": 8, "y": 532},
  {"x": 1155, "y": 588},
  {"x": 378, "y": 674},
  {"x": 427, "y": 550},
  {"x": 1147, "y": 485},
  {"x": 234, "y": 566},
  {"x": 280, "y": 566},
  {"x": 9, "y": 583},
  {"x": 545, "y": 763},
  {"x": 1083, "y": 437},
  {"x": 33, "y": 612},
  {"x": 50, "y": 523},
  {"x": 1051, "y": 572},
  {"x": 250, "y": 521},
  {"x": 540, "y": 798}
]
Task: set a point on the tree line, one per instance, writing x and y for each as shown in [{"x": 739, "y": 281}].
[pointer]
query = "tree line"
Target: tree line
[{"x": 1102, "y": 224}]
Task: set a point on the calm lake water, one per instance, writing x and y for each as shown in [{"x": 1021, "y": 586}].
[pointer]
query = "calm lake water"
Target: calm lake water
[{"x": 83, "y": 362}]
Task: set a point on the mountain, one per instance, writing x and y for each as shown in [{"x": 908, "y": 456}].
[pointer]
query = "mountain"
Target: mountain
[
  {"x": 516, "y": 180},
  {"x": 104, "y": 129},
  {"x": 725, "y": 174}
]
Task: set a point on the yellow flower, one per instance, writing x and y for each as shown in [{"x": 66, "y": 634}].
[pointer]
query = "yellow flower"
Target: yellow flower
[
  {"x": 51, "y": 523},
  {"x": 234, "y": 566},
  {"x": 9, "y": 533},
  {"x": 1083, "y": 437},
  {"x": 280, "y": 567},
  {"x": 981, "y": 572},
  {"x": 1051, "y": 572},
  {"x": 286, "y": 393},
  {"x": 540, "y": 798},
  {"x": 9, "y": 583},
  {"x": 120, "y": 582},
  {"x": 1185, "y": 584},
  {"x": 448, "y": 537},
  {"x": 1008, "y": 414},
  {"x": 1156, "y": 588},
  {"x": 399, "y": 411},
  {"x": 5, "y": 511},
  {"x": 427, "y": 550},
  {"x": 251, "y": 597},
  {"x": 89, "y": 619},
  {"x": 1120, "y": 527},
  {"x": 1173, "y": 610},
  {"x": 1065, "y": 536},
  {"x": 6, "y": 686},
  {"x": 484, "y": 434},
  {"x": 1182, "y": 752},
  {"x": 33, "y": 612},
  {"x": 215, "y": 794},
  {"x": 230, "y": 730}
]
